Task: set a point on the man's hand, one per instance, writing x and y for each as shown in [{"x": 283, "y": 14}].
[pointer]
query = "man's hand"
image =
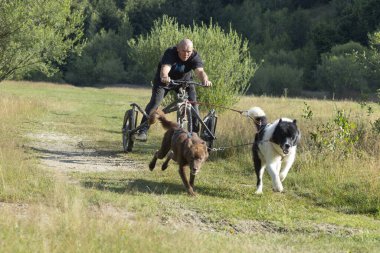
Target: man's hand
[
  {"x": 207, "y": 83},
  {"x": 165, "y": 80}
]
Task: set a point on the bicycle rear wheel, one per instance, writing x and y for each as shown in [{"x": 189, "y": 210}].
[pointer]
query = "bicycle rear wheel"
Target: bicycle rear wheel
[
  {"x": 130, "y": 120},
  {"x": 210, "y": 121}
]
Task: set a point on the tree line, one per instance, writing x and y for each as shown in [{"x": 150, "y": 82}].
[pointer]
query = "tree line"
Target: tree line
[{"x": 329, "y": 46}]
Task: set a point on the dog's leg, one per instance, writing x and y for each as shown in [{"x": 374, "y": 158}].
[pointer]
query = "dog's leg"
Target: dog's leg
[
  {"x": 190, "y": 190},
  {"x": 164, "y": 149},
  {"x": 259, "y": 169},
  {"x": 273, "y": 170},
  {"x": 168, "y": 158},
  {"x": 161, "y": 153},
  {"x": 288, "y": 164},
  {"x": 192, "y": 179},
  {"x": 152, "y": 163},
  {"x": 259, "y": 185}
]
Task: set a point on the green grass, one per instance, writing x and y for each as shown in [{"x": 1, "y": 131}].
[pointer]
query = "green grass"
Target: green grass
[{"x": 331, "y": 204}]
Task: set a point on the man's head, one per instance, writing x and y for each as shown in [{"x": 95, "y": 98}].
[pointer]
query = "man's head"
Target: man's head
[{"x": 185, "y": 49}]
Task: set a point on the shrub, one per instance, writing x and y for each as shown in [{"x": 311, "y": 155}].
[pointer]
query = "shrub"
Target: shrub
[
  {"x": 226, "y": 57},
  {"x": 339, "y": 135},
  {"x": 101, "y": 61},
  {"x": 80, "y": 71},
  {"x": 274, "y": 79},
  {"x": 342, "y": 72}
]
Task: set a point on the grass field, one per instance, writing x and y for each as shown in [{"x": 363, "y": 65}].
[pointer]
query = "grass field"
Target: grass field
[{"x": 331, "y": 201}]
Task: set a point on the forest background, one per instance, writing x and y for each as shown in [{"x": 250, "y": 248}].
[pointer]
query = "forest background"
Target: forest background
[{"x": 325, "y": 48}]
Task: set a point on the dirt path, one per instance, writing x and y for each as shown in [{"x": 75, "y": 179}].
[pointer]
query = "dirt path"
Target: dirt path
[{"x": 66, "y": 153}]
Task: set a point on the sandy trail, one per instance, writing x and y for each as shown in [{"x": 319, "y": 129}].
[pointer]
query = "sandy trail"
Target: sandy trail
[{"x": 66, "y": 153}]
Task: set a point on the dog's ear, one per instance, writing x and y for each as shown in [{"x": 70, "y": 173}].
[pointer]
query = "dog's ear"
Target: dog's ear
[{"x": 295, "y": 121}]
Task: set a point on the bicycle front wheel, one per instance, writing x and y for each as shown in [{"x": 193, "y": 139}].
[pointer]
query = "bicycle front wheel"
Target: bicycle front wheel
[
  {"x": 184, "y": 118},
  {"x": 130, "y": 120}
]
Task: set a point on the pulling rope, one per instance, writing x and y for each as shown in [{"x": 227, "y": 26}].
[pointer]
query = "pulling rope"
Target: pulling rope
[
  {"x": 246, "y": 144},
  {"x": 227, "y": 108},
  {"x": 234, "y": 110},
  {"x": 207, "y": 104},
  {"x": 224, "y": 148}
]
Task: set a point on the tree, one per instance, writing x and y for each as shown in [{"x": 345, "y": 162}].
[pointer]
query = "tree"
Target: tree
[
  {"x": 226, "y": 56},
  {"x": 37, "y": 35},
  {"x": 341, "y": 73},
  {"x": 102, "y": 60}
]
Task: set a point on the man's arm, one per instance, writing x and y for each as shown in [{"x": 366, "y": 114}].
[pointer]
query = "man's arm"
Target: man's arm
[
  {"x": 164, "y": 74},
  {"x": 201, "y": 74}
]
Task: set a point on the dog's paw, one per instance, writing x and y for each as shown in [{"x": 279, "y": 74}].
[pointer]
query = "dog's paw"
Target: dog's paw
[
  {"x": 152, "y": 165},
  {"x": 259, "y": 192},
  {"x": 164, "y": 166},
  {"x": 191, "y": 193},
  {"x": 278, "y": 189}
]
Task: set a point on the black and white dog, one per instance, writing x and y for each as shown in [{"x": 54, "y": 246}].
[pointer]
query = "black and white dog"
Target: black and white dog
[{"x": 274, "y": 147}]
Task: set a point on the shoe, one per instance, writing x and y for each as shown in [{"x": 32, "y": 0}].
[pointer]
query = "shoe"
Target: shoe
[{"x": 141, "y": 136}]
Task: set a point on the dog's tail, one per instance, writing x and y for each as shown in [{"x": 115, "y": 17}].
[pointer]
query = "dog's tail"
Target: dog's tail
[
  {"x": 160, "y": 116},
  {"x": 258, "y": 116}
]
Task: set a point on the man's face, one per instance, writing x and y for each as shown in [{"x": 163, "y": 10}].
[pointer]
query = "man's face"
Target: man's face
[{"x": 184, "y": 52}]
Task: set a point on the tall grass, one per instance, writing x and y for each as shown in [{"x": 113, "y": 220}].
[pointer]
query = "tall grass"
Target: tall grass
[{"x": 20, "y": 179}]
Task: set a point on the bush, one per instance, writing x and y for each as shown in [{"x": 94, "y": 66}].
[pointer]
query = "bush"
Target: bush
[
  {"x": 226, "y": 57},
  {"x": 341, "y": 75},
  {"x": 274, "y": 79},
  {"x": 101, "y": 61},
  {"x": 80, "y": 71},
  {"x": 342, "y": 72}
]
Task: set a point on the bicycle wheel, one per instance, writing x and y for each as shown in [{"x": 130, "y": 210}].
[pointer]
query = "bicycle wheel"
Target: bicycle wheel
[
  {"x": 210, "y": 121},
  {"x": 130, "y": 120}
]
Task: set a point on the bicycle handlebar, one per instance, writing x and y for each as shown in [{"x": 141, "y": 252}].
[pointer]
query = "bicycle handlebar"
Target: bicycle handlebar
[{"x": 183, "y": 83}]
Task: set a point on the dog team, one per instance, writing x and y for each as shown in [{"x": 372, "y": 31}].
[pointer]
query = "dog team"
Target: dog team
[{"x": 274, "y": 148}]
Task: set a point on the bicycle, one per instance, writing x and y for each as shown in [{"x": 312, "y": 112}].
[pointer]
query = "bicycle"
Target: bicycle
[{"x": 185, "y": 110}]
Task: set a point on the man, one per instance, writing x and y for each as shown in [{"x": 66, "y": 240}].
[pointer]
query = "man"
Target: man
[{"x": 177, "y": 63}]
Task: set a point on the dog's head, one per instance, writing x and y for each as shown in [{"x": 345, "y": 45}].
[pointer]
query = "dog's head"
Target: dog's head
[
  {"x": 286, "y": 135},
  {"x": 254, "y": 112},
  {"x": 197, "y": 154}
]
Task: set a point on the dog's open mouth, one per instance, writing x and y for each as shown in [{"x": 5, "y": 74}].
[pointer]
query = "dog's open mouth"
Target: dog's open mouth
[{"x": 285, "y": 151}]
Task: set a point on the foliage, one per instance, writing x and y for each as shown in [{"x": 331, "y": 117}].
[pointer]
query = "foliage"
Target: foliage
[
  {"x": 102, "y": 60},
  {"x": 277, "y": 80},
  {"x": 307, "y": 112},
  {"x": 226, "y": 57},
  {"x": 341, "y": 73},
  {"x": 309, "y": 30},
  {"x": 357, "y": 18},
  {"x": 339, "y": 135},
  {"x": 37, "y": 35}
]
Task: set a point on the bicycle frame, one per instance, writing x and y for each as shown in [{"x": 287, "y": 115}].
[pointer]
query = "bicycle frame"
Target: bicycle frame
[
  {"x": 184, "y": 104},
  {"x": 182, "y": 101}
]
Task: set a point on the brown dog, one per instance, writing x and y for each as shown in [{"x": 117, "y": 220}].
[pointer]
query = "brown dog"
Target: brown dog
[{"x": 187, "y": 149}]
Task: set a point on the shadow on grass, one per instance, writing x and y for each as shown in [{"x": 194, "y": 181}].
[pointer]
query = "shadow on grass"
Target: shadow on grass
[
  {"x": 74, "y": 153},
  {"x": 123, "y": 186},
  {"x": 134, "y": 186}
]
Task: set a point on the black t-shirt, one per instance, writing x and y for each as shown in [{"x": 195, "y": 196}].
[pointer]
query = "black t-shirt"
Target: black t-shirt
[{"x": 180, "y": 70}]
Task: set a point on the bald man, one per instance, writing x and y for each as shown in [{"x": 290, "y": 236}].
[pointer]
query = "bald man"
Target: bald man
[{"x": 177, "y": 63}]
